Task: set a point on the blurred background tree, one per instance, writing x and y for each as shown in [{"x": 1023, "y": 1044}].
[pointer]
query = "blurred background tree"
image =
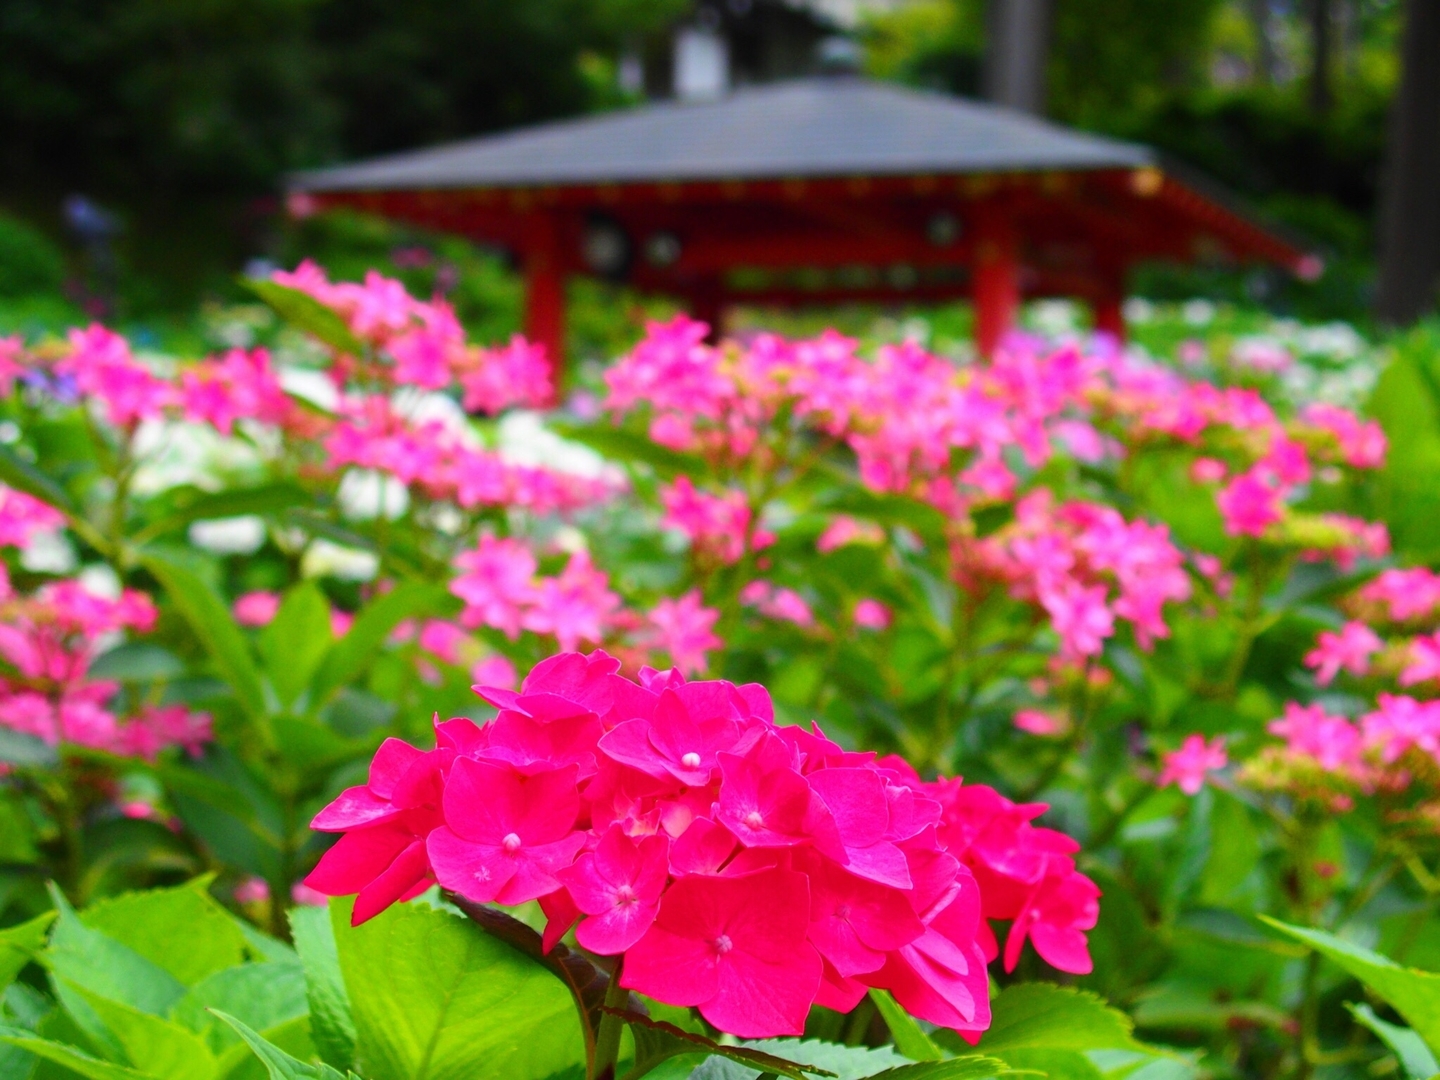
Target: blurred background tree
[{"x": 180, "y": 117}]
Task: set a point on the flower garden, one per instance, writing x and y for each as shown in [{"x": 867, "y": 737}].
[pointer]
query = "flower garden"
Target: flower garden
[{"x": 782, "y": 707}]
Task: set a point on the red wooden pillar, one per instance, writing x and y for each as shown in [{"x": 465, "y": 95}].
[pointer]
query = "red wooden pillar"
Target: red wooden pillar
[
  {"x": 707, "y": 305},
  {"x": 997, "y": 278},
  {"x": 1109, "y": 304},
  {"x": 545, "y": 295}
]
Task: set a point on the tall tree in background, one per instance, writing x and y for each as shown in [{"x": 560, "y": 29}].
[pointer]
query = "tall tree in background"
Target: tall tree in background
[
  {"x": 1410, "y": 226},
  {"x": 1018, "y": 53},
  {"x": 1322, "y": 28}
]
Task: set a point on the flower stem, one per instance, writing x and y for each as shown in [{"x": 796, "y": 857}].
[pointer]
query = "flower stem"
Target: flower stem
[{"x": 607, "y": 1039}]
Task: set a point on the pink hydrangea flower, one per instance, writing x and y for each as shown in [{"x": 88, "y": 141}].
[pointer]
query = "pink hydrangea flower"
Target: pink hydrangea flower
[
  {"x": 1350, "y": 649},
  {"x": 684, "y": 629},
  {"x": 1187, "y": 767},
  {"x": 23, "y": 517},
  {"x": 256, "y": 608},
  {"x": 743, "y": 868},
  {"x": 872, "y": 615},
  {"x": 1424, "y": 660},
  {"x": 1249, "y": 505}
]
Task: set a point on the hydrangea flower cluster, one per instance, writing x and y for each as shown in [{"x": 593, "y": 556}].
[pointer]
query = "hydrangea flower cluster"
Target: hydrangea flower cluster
[
  {"x": 421, "y": 343},
  {"x": 747, "y": 869},
  {"x": 964, "y": 437},
  {"x": 919, "y": 424},
  {"x": 47, "y": 643},
  {"x": 501, "y": 589},
  {"x": 1086, "y": 566},
  {"x": 22, "y": 518},
  {"x": 1391, "y": 750}
]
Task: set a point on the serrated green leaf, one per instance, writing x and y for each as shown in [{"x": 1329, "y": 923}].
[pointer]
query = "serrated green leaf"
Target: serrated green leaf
[
  {"x": 71, "y": 1058},
  {"x": 156, "y": 1046},
  {"x": 1055, "y": 1064},
  {"x": 263, "y": 995},
  {"x": 20, "y": 944},
  {"x": 332, "y": 1024},
  {"x": 658, "y": 1040},
  {"x": 368, "y": 634},
  {"x": 1414, "y": 1056},
  {"x": 1414, "y": 994},
  {"x": 238, "y": 1062},
  {"x": 264, "y": 947},
  {"x": 304, "y": 312},
  {"x": 296, "y": 641},
  {"x": 1042, "y": 1016},
  {"x": 969, "y": 1067},
  {"x": 96, "y": 962},
  {"x": 909, "y": 1037},
  {"x": 435, "y": 996},
  {"x": 212, "y": 623},
  {"x": 147, "y": 922},
  {"x": 280, "y": 1065},
  {"x": 846, "y": 1062}
]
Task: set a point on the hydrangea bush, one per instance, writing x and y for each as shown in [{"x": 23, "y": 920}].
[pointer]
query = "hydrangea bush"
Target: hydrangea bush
[{"x": 773, "y": 598}]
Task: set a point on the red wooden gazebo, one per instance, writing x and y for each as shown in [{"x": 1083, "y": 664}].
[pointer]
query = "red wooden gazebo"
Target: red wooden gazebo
[{"x": 812, "y": 191}]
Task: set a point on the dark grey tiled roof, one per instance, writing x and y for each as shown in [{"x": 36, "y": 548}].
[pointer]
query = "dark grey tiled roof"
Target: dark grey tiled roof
[{"x": 810, "y": 127}]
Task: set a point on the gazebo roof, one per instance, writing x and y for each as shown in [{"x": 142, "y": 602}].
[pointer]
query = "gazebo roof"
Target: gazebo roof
[{"x": 821, "y": 127}]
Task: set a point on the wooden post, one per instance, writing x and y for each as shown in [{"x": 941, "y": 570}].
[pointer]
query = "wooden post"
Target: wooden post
[
  {"x": 707, "y": 305},
  {"x": 1109, "y": 304},
  {"x": 545, "y": 295},
  {"x": 997, "y": 278}
]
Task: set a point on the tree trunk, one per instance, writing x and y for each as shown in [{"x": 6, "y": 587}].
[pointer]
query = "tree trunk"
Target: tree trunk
[
  {"x": 1410, "y": 204},
  {"x": 1322, "y": 44},
  {"x": 1264, "y": 45},
  {"x": 1019, "y": 32}
]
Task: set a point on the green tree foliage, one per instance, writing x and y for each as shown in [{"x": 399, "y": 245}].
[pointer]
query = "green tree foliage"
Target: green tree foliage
[{"x": 129, "y": 96}]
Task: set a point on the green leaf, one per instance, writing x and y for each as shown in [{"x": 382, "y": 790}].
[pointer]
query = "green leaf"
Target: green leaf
[
  {"x": 1414, "y": 1056},
  {"x": 98, "y": 963},
  {"x": 19, "y": 474},
  {"x": 264, "y": 995},
  {"x": 212, "y": 623},
  {"x": 236, "y": 502},
  {"x": 846, "y": 1062},
  {"x": 280, "y": 1064},
  {"x": 373, "y": 625},
  {"x": 308, "y": 744},
  {"x": 587, "y": 983},
  {"x": 1415, "y": 995},
  {"x": 69, "y": 1057},
  {"x": 17, "y": 748},
  {"x": 148, "y": 922},
  {"x": 658, "y": 1040},
  {"x": 20, "y": 944},
  {"x": 332, "y": 1024},
  {"x": 156, "y": 1046},
  {"x": 304, "y": 312},
  {"x": 238, "y": 1062},
  {"x": 1056, "y": 1064},
  {"x": 1041, "y": 1016},
  {"x": 969, "y": 1067},
  {"x": 296, "y": 641},
  {"x": 910, "y": 1038},
  {"x": 434, "y": 996},
  {"x": 137, "y": 661},
  {"x": 264, "y": 947}
]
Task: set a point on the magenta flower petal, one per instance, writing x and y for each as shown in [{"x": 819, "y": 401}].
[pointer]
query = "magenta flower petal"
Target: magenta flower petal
[{"x": 410, "y": 868}]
